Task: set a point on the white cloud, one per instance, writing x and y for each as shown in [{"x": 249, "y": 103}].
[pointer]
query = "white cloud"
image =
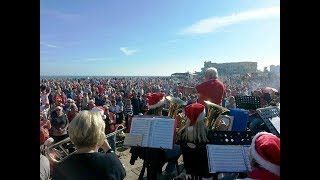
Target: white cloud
[
  {"x": 127, "y": 51},
  {"x": 59, "y": 14},
  {"x": 48, "y": 45},
  {"x": 212, "y": 24}
]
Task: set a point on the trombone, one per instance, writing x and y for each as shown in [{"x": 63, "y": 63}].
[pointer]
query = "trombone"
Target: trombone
[{"x": 63, "y": 153}]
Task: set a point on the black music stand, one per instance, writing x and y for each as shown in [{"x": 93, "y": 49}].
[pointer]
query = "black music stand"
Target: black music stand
[
  {"x": 196, "y": 159},
  {"x": 247, "y": 102},
  {"x": 231, "y": 137},
  {"x": 268, "y": 113}
]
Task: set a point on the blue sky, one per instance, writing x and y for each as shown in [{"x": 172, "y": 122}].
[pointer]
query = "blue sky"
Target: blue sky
[{"x": 143, "y": 37}]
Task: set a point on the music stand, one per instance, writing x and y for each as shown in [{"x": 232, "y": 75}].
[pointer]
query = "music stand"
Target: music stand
[
  {"x": 231, "y": 137},
  {"x": 247, "y": 102},
  {"x": 268, "y": 113}
]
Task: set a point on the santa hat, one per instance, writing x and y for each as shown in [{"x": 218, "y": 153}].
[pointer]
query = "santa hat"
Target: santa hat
[
  {"x": 100, "y": 110},
  {"x": 155, "y": 100},
  {"x": 265, "y": 149},
  {"x": 194, "y": 112}
]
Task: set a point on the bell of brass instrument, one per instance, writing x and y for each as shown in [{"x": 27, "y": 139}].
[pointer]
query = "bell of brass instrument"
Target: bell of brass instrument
[
  {"x": 176, "y": 106},
  {"x": 216, "y": 117},
  {"x": 57, "y": 153}
]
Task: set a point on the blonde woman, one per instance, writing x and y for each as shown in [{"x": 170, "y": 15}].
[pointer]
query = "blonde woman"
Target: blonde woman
[{"x": 86, "y": 132}]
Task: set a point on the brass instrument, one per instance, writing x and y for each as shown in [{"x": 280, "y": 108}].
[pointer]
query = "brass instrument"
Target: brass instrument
[
  {"x": 175, "y": 106},
  {"x": 61, "y": 153},
  {"x": 216, "y": 117}
]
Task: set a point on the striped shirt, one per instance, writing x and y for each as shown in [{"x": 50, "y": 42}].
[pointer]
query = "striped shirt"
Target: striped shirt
[{"x": 128, "y": 111}]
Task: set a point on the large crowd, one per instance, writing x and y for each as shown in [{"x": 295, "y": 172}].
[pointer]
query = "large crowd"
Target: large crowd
[{"x": 63, "y": 101}]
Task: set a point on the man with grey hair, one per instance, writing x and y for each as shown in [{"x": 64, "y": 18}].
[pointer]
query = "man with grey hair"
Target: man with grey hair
[{"x": 211, "y": 90}]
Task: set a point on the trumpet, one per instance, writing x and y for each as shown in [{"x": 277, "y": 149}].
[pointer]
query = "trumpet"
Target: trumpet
[
  {"x": 215, "y": 119},
  {"x": 53, "y": 150},
  {"x": 176, "y": 106}
]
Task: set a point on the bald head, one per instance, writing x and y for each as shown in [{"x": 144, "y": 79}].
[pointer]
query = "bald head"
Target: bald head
[{"x": 211, "y": 73}]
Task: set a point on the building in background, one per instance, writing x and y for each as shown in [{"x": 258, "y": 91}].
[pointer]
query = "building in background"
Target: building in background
[
  {"x": 233, "y": 68},
  {"x": 275, "y": 69}
]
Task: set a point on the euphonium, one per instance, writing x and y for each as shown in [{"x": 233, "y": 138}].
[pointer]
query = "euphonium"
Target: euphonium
[
  {"x": 175, "y": 107},
  {"x": 215, "y": 119},
  {"x": 58, "y": 151}
]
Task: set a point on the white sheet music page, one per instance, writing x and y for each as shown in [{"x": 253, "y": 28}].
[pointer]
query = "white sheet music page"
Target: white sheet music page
[
  {"x": 133, "y": 139},
  {"x": 161, "y": 133},
  {"x": 226, "y": 158},
  {"x": 141, "y": 126},
  {"x": 246, "y": 156},
  {"x": 276, "y": 123}
]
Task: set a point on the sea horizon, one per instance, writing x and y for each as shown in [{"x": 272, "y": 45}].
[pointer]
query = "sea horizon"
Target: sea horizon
[{"x": 90, "y": 76}]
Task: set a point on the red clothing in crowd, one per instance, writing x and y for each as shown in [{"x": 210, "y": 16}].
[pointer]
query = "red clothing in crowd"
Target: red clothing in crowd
[
  {"x": 44, "y": 130},
  {"x": 71, "y": 115},
  {"x": 212, "y": 90}
]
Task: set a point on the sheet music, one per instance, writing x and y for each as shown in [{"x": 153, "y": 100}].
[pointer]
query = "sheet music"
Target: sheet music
[
  {"x": 226, "y": 158},
  {"x": 246, "y": 149},
  {"x": 156, "y": 132},
  {"x": 141, "y": 126},
  {"x": 133, "y": 139},
  {"x": 276, "y": 123},
  {"x": 161, "y": 133}
]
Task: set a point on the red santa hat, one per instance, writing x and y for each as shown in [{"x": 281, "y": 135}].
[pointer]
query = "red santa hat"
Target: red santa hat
[
  {"x": 100, "y": 110},
  {"x": 265, "y": 149},
  {"x": 155, "y": 100},
  {"x": 195, "y": 112}
]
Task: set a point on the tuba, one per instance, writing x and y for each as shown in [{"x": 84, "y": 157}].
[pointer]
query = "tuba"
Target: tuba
[
  {"x": 217, "y": 118},
  {"x": 57, "y": 153},
  {"x": 176, "y": 106}
]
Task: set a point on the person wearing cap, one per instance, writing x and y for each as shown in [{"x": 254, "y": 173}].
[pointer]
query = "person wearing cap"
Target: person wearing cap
[
  {"x": 155, "y": 105},
  {"x": 195, "y": 130},
  {"x": 59, "y": 124},
  {"x": 66, "y": 107},
  {"x": 212, "y": 89},
  {"x": 86, "y": 132},
  {"x": 193, "y": 137},
  {"x": 264, "y": 154},
  {"x": 91, "y": 104}
]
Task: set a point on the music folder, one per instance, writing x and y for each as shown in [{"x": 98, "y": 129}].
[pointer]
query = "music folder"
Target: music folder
[
  {"x": 274, "y": 125},
  {"x": 156, "y": 131},
  {"x": 228, "y": 158}
]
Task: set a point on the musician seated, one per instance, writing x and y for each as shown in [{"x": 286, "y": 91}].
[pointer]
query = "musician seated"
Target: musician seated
[
  {"x": 265, "y": 157},
  {"x": 86, "y": 132},
  {"x": 193, "y": 139}
]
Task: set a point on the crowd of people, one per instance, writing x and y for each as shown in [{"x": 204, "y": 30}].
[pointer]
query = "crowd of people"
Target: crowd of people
[{"x": 89, "y": 108}]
